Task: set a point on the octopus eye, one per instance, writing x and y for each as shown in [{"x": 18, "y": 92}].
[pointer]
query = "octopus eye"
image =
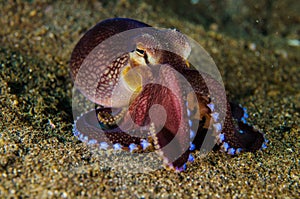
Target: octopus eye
[{"x": 140, "y": 52}]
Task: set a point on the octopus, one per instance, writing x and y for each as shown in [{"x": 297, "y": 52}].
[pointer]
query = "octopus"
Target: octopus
[{"x": 149, "y": 97}]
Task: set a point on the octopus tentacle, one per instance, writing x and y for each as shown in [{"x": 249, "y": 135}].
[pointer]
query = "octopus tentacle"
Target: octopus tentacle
[
  {"x": 237, "y": 134},
  {"x": 88, "y": 129},
  {"x": 234, "y": 134},
  {"x": 172, "y": 135}
]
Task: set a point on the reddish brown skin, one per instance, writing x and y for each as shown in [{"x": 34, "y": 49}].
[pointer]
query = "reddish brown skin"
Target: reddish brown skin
[{"x": 250, "y": 140}]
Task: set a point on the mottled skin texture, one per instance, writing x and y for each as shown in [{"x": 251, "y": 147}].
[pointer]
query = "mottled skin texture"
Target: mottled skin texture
[{"x": 167, "y": 89}]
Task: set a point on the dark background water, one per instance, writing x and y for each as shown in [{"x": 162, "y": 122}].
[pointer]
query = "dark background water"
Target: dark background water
[{"x": 243, "y": 18}]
